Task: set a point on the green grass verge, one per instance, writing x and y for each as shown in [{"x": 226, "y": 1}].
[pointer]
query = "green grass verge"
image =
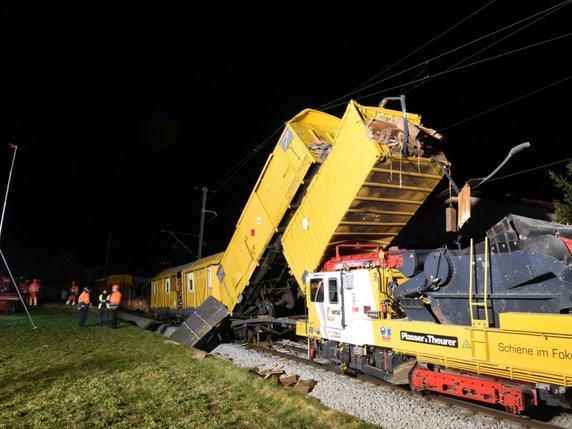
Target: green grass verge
[{"x": 57, "y": 375}]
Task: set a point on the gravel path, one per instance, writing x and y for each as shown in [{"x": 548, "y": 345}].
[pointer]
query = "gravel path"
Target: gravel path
[{"x": 387, "y": 408}]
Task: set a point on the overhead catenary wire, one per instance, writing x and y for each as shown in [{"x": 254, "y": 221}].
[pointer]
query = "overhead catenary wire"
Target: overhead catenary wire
[
  {"x": 228, "y": 175},
  {"x": 528, "y": 170},
  {"x": 451, "y": 70},
  {"x": 544, "y": 13},
  {"x": 361, "y": 86},
  {"x": 498, "y": 106},
  {"x": 219, "y": 182},
  {"x": 223, "y": 179}
]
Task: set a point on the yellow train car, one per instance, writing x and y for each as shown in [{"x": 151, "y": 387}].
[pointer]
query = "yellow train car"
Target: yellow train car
[
  {"x": 201, "y": 282},
  {"x": 125, "y": 281},
  {"x": 135, "y": 290},
  {"x": 166, "y": 292},
  {"x": 177, "y": 291}
]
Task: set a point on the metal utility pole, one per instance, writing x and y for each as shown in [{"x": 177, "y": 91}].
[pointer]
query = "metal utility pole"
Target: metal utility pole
[
  {"x": 107, "y": 254},
  {"x": 202, "y": 226},
  {"x": 13, "y": 146}
]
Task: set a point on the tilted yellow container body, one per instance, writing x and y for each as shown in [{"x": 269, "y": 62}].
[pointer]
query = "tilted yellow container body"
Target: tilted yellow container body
[
  {"x": 364, "y": 192},
  {"x": 304, "y": 143}
]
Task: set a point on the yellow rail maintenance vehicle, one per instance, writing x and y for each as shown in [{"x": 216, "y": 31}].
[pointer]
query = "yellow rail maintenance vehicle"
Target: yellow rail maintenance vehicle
[
  {"x": 312, "y": 257},
  {"x": 490, "y": 323}
]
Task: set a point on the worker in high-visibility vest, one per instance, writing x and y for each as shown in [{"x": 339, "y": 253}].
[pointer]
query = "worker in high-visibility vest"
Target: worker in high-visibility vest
[
  {"x": 114, "y": 302},
  {"x": 103, "y": 307},
  {"x": 84, "y": 302},
  {"x": 33, "y": 290},
  {"x": 74, "y": 292}
]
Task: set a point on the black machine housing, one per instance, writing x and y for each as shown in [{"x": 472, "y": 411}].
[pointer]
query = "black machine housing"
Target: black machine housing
[{"x": 527, "y": 267}]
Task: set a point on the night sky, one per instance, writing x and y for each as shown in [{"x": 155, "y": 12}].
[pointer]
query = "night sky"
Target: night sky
[{"x": 121, "y": 117}]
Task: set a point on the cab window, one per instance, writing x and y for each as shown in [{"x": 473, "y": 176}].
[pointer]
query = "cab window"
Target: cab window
[
  {"x": 333, "y": 291},
  {"x": 316, "y": 290}
]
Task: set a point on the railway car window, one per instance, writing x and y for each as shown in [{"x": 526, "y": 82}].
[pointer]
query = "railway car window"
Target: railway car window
[
  {"x": 167, "y": 285},
  {"x": 191, "y": 282},
  {"x": 333, "y": 291},
  {"x": 286, "y": 139},
  {"x": 317, "y": 290},
  {"x": 155, "y": 288}
]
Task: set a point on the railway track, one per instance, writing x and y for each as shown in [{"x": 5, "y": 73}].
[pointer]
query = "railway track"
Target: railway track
[{"x": 295, "y": 352}]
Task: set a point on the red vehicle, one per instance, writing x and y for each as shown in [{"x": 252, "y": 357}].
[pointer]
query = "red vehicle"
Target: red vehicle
[{"x": 9, "y": 299}]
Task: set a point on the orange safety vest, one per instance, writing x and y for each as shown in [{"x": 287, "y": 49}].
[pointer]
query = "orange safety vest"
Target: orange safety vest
[
  {"x": 34, "y": 287},
  {"x": 115, "y": 298},
  {"x": 84, "y": 298}
]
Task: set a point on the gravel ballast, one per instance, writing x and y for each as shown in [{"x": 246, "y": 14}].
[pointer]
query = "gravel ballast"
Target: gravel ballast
[{"x": 388, "y": 408}]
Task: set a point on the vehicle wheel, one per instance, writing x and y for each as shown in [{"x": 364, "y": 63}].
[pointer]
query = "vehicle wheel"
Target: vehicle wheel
[
  {"x": 10, "y": 308},
  {"x": 415, "y": 390},
  {"x": 266, "y": 308}
]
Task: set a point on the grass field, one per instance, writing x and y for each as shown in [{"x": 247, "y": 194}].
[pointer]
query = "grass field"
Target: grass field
[{"x": 57, "y": 375}]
